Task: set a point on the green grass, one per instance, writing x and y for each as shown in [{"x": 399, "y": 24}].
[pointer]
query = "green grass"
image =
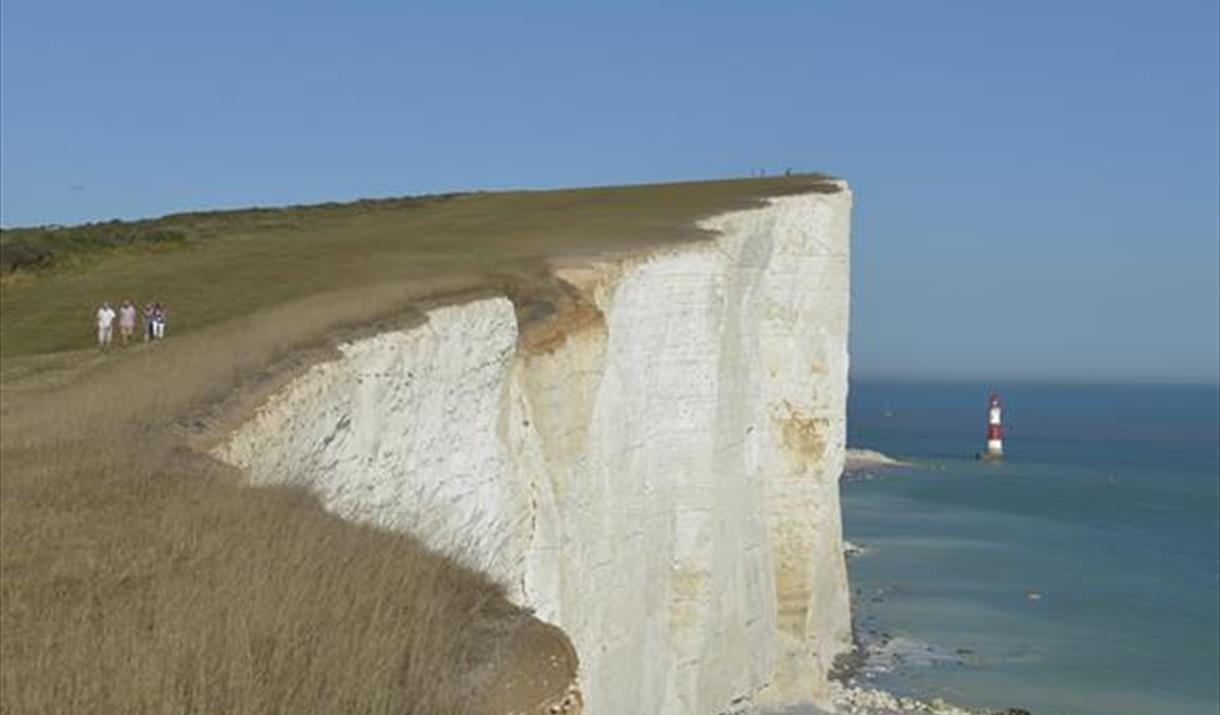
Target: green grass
[
  {"x": 41, "y": 249},
  {"x": 233, "y": 263}
]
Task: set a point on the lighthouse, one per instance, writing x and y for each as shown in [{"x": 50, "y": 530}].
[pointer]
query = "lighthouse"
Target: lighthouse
[{"x": 995, "y": 431}]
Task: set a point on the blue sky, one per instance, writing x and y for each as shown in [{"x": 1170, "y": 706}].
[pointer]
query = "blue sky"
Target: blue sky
[{"x": 1036, "y": 182}]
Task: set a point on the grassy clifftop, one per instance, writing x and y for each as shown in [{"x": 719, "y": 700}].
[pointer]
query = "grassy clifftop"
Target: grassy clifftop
[
  {"x": 137, "y": 575},
  {"x": 210, "y": 267}
]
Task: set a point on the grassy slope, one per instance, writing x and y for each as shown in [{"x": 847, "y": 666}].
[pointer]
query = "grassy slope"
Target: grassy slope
[
  {"x": 256, "y": 261},
  {"x": 136, "y": 576}
]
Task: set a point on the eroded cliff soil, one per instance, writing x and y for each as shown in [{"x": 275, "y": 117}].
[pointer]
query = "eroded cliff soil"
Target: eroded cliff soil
[{"x": 654, "y": 469}]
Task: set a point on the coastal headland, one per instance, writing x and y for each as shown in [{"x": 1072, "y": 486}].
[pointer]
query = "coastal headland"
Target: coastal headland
[{"x": 528, "y": 452}]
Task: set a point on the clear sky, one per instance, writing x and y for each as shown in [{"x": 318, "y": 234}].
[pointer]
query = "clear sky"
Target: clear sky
[{"x": 1036, "y": 182}]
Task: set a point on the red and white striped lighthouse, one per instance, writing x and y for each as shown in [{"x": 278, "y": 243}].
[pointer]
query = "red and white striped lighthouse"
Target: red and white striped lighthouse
[{"x": 995, "y": 430}]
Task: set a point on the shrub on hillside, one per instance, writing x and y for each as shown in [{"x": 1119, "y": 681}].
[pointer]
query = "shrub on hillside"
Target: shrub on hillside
[
  {"x": 19, "y": 254},
  {"x": 29, "y": 249}
]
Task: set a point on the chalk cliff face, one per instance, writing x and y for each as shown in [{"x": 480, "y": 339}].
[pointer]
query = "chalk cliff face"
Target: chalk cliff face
[{"x": 658, "y": 476}]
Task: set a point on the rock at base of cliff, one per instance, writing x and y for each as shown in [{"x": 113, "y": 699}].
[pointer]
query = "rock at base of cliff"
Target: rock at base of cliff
[{"x": 859, "y": 460}]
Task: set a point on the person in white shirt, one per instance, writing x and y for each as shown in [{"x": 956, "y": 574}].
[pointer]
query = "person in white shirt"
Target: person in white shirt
[{"x": 105, "y": 325}]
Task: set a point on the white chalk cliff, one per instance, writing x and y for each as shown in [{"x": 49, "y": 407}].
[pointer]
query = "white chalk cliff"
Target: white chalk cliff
[{"x": 659, "y": 479}]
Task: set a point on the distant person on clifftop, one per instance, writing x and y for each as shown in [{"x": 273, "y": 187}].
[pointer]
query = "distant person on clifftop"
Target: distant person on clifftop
[
  {"x": 127, "y": 321},
  {"x": 158, "y": 321},
  {"x": 148, "y": 322},
  {"x": 105, "y": 325}
]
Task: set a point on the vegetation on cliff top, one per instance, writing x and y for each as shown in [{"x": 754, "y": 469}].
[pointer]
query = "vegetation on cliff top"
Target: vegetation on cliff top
[
  {"x": 137, "y": 575},
  {"x": 231, "y": 263}
]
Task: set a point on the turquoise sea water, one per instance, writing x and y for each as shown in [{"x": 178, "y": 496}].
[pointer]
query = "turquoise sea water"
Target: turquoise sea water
[{"x": 1080, "y": 576}]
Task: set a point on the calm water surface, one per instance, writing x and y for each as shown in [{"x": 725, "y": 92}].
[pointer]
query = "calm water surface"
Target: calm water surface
[{"x": 1080, "y": 576}]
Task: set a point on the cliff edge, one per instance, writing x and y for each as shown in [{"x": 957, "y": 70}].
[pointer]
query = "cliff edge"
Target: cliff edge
[{"x": 654, "y": 469}]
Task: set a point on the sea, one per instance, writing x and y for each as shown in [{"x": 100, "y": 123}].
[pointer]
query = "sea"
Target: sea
[{"x": 1079, "y": 576}]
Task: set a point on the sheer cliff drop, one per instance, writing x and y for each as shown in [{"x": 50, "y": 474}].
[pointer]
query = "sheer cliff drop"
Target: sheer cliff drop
[{"x": 659, "y": 480}]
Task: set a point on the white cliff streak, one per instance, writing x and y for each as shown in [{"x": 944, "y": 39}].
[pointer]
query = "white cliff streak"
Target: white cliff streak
[{"x": 661, "y": 483}]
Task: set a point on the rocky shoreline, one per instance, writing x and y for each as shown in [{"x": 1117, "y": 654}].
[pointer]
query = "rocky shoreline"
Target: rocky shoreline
[
  {"x": 855, "y": 700},
  {"x": 848, "y": 697}
]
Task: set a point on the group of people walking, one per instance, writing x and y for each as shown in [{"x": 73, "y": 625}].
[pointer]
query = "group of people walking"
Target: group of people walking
[{"x": 154, "y": 322}]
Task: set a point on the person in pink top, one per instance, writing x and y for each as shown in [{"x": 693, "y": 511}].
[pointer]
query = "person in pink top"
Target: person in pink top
[{"x": 127, "y": 321}]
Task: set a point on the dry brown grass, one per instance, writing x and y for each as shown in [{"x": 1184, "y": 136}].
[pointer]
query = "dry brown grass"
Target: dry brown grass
[{"x": 137, "y": 576}]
